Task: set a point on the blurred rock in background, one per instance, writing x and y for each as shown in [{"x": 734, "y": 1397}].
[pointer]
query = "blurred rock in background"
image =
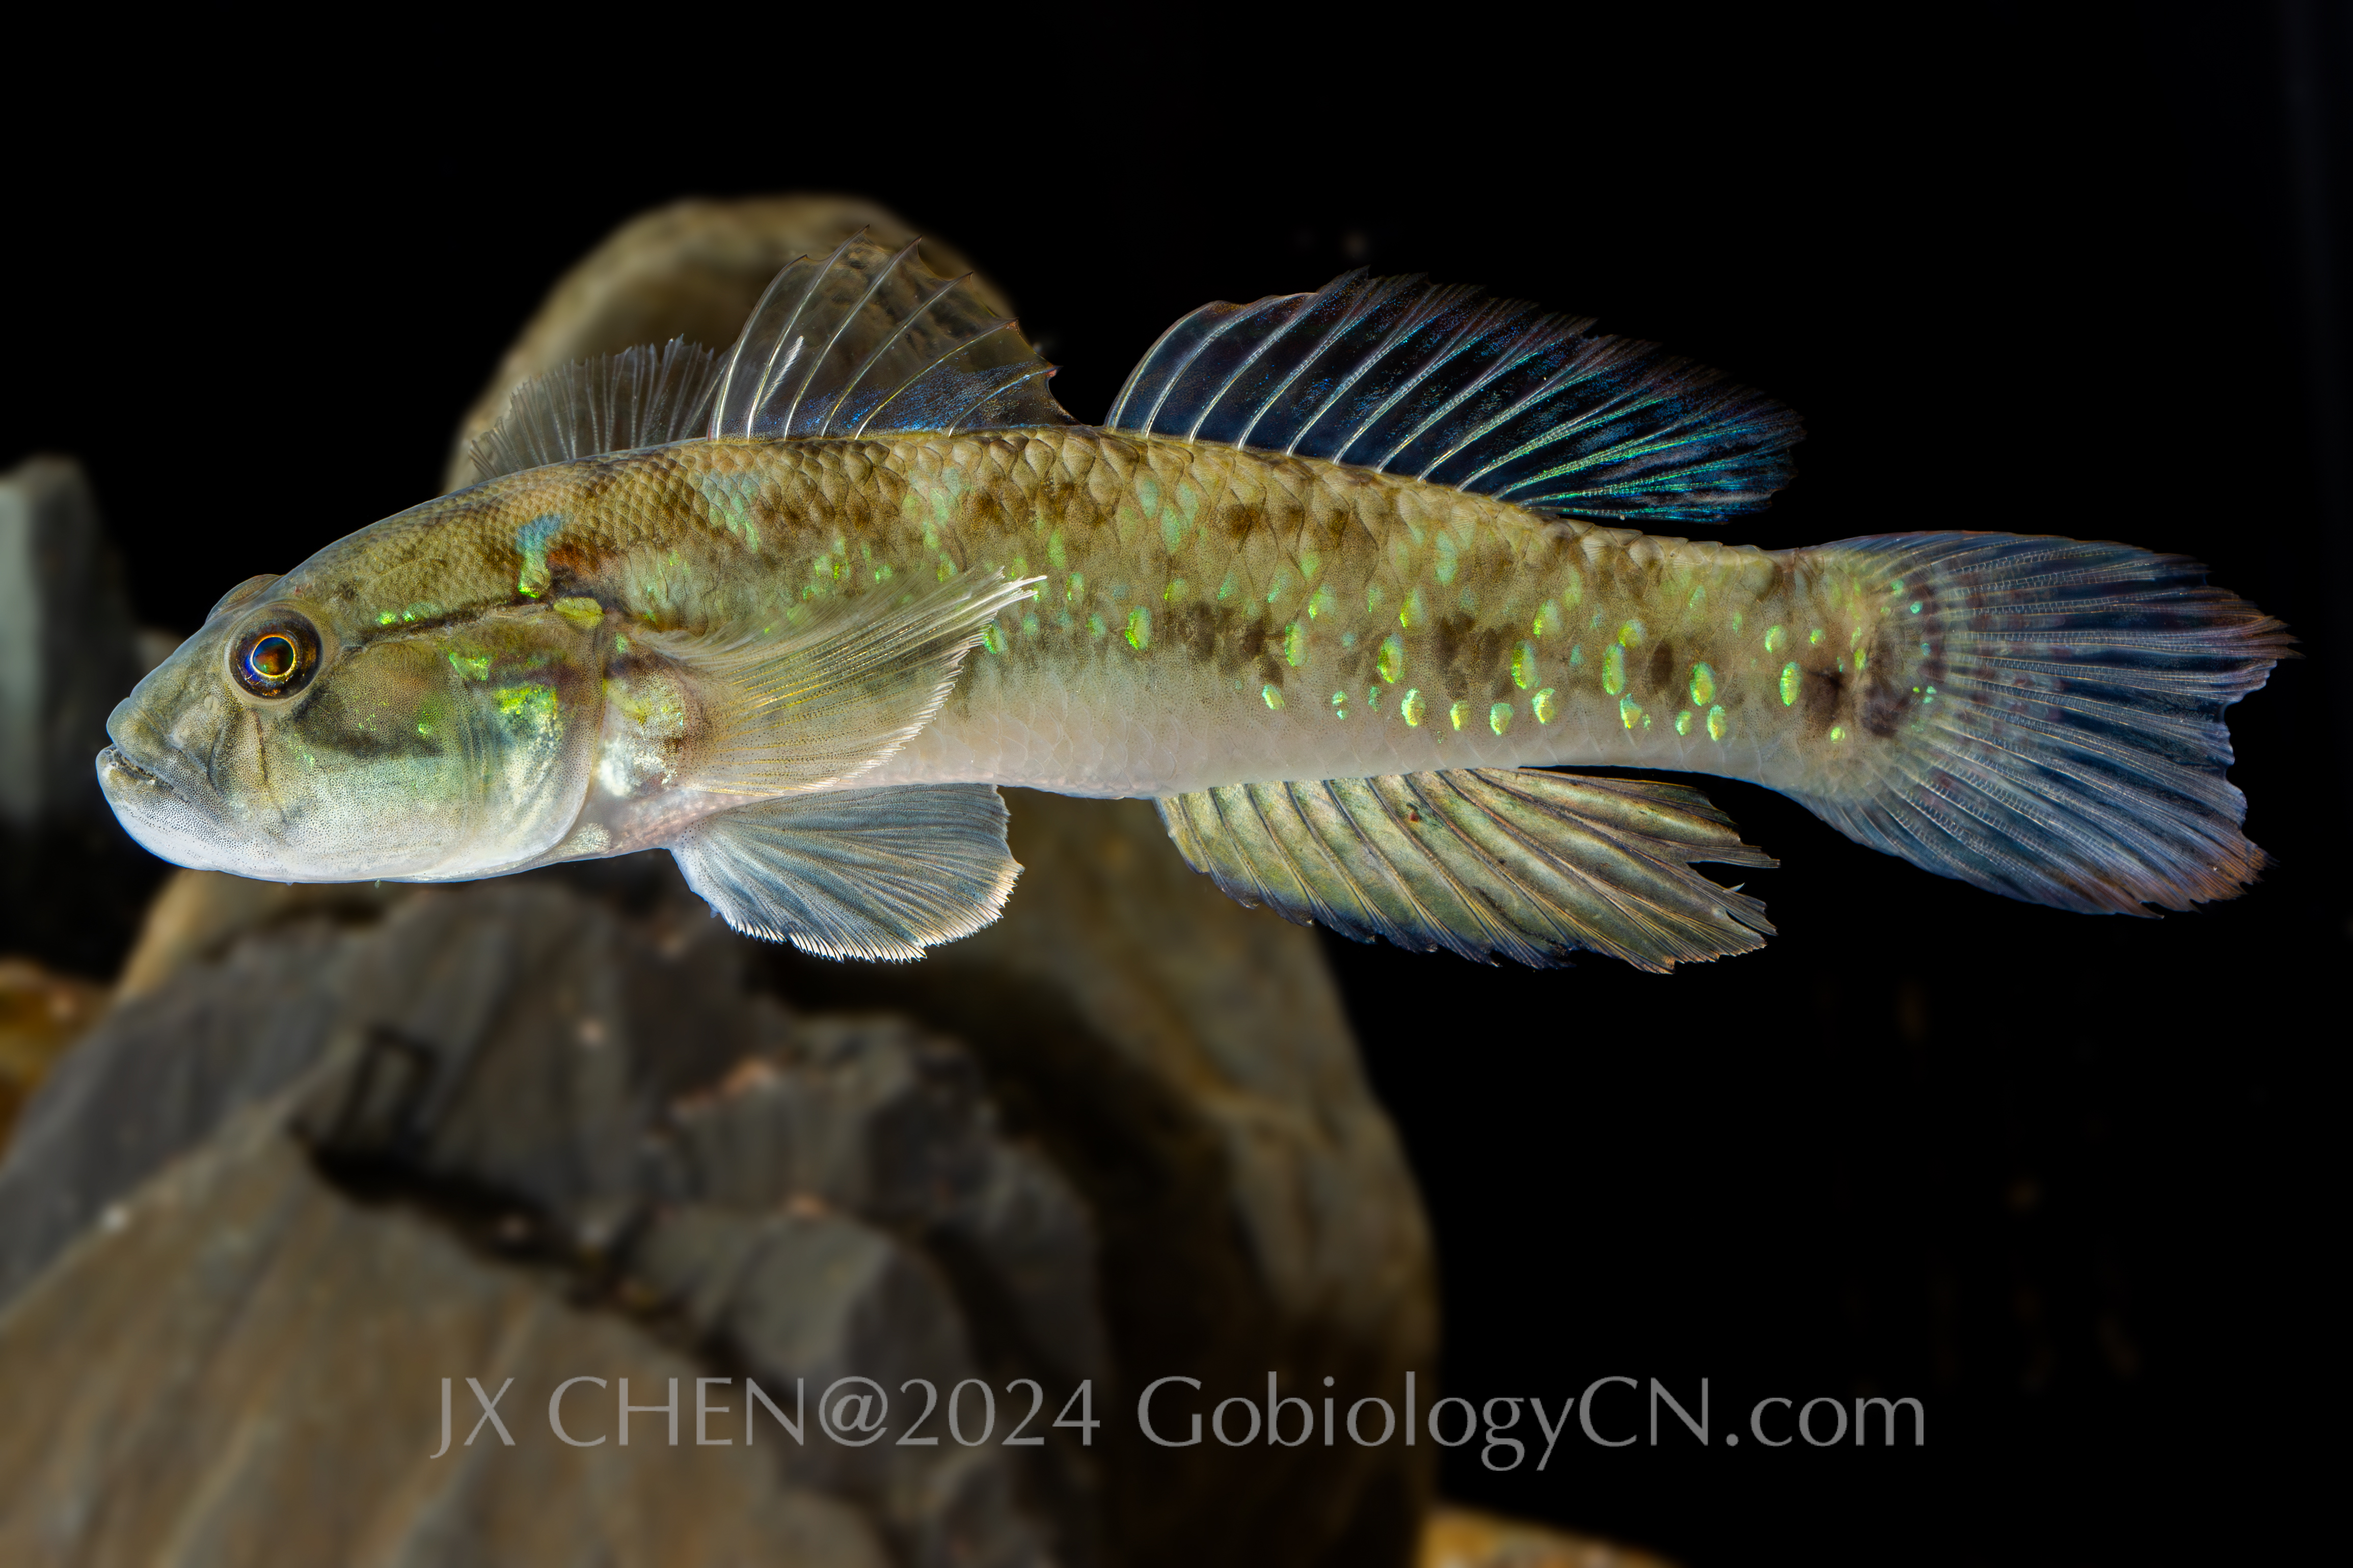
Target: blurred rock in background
[
  {"x": 71, "y": 881},
  {"x": 691, "y": 270},
  {"x": 41, "y": 1014},
  {"x": 332, "y": 1145}
]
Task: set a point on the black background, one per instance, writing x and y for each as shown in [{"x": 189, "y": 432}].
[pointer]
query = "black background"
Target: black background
[{"x": 2058, "y": 1177}]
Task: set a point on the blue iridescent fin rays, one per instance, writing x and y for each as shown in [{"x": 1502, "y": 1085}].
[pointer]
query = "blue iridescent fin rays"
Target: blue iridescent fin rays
[
  {"x": 1448, "y": 384},
  {"x": 869, "y": 340}
]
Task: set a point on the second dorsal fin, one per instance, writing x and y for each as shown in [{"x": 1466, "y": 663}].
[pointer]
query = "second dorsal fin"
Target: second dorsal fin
[
  {"x": 868, "y": 339},
  {"x": 1450, "y": 386}
]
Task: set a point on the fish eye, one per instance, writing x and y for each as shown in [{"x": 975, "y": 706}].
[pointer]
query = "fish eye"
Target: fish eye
[{"x": 276, "y": 657}]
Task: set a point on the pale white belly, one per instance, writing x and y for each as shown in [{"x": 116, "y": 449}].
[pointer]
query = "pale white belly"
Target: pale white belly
[{"x": 1173, "y": 727}]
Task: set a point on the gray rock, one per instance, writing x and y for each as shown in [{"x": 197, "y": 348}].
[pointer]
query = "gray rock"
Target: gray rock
[
  {"x": 69, "y": 650},
  {"x": 593, "y": 1093},
  {"x": 242, "y": 1366},
  {"x": 888, "y": 1122},
  {"x": 804, "y": 1301}
]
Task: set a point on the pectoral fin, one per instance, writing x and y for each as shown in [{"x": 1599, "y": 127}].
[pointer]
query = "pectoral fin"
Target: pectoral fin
[
  {"x": 798, "y": 709},
  {"x": 1484, "y": 862},
  {"x": 862, "y": 873}
]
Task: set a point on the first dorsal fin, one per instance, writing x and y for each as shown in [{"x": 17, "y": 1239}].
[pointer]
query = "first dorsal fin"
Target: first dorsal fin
[
  {"x": 643, "y": 396},
  {"x": 1448, "y": 384},
  {"x": 869, "y": 340}
]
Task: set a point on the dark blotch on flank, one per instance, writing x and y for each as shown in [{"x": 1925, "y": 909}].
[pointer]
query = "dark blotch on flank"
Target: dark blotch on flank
[
  {"x": 1471, "y": 660},
  {"x": 1194, "y": 628},
  {"x": 1821, "y": 698},
  {"x": 1662, "y": 668}
]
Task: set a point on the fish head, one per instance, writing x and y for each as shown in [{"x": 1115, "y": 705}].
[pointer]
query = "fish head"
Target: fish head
[{"x": 288, "y": 743}]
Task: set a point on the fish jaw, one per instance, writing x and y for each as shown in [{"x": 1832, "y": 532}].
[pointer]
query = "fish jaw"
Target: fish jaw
[
  {"x": 159, "y": 774},
  {"x": 175, "y": 818}
]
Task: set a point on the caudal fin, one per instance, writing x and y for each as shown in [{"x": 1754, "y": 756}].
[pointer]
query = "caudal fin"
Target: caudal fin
[{"x": 2061, "y": 739}]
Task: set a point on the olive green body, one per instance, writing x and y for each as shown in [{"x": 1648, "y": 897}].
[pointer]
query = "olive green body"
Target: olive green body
[{"x": 1207, "y": 616}]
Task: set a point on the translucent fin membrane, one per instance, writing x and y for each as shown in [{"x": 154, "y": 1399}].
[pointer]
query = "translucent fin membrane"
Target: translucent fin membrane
[
  {"x": 868, "y": 339},
  {"x": 1452, "y": 386},
  {"x": 863, "y": 873},
  {"x": 2064, "y": 742},
  {"x": 618, "y": 403},
  {"x": 824, "y": 704},
  {"x": 1484, "y": 862}
]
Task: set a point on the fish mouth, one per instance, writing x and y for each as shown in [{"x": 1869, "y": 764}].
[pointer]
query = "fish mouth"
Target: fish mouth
[
  {"x": 114, "y": 764},
  {"x": 168, "y": 819}
]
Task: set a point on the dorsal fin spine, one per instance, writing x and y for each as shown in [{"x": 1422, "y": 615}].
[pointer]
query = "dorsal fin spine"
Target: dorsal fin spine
[
  {"x": 875, "y": 357},
  {"x": 772, "y": 374},
  {"x": 870, "y": 340},
  {"x": 950, "y": 353},
  {"x": 850, "y": 318},
  {"x": 736, "y": 355},
  {"x": 808, "y": 363}
]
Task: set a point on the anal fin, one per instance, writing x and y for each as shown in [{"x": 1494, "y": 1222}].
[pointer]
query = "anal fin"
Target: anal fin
[
  {"x": 857, "y": 873},
  {"x": 1484, "y": 862}
]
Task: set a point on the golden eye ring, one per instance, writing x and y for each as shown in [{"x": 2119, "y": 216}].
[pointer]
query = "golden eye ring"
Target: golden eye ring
[{"x": 276, "y": 655}]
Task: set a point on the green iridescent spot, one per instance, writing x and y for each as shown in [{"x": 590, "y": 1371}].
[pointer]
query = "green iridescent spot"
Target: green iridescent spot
[
  {"x": 993, "y": 639},
  {"x": 1577, "y": 655},
  {"x": 1139, "y": 629},
  {"x": 1790, "y": 682},
  {"x": 473, "y": 669},
  {"x": 1815, "y": 637},
  {"x": 1412, "y": 708},
  {"x": 1096, "y": 626},
  {"x": 1702, "y": 684},
  {"x": 1628, "y": 710},
  {"x": 1774, "y": 638},
  {"x": 1499, "y": 717},
  {"x": 1838, "y": 731},
  {"x": 1339, "y": 705},
  {"x": 1683, "y": 722},
  {"x": 1524, "y": 665},
  {"x": 1274, "y": 694},
  {"x": 1613, "y": 669},
  {"x": 1391, "y": 662},
  {"x": 1630, "y": 634},
  {"x": 1460, "y": 713},
  {"x": 1294, "y": 645},
  {"x": 1716, "y": 723},
  {"x": 1915, "y": 606},
  {"x": 1546, "y": 706}
]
